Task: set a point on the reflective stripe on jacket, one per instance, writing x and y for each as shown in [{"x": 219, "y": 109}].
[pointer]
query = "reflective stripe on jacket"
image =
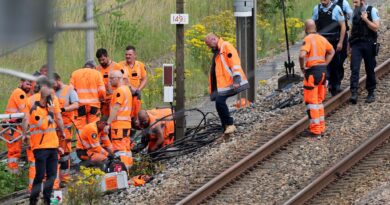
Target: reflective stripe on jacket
[
  {"x": 91, "y": 141},
  {"x": 89, "y": 86},
  {"x": 122, "y": 96},
  {"x": 63, "y": 99},
  {"x": 228, "y": 65},
  {"x": 316, "y": 47},
  {"x": 42, "y": 129}
]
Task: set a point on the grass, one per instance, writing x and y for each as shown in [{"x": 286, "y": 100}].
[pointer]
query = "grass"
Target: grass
[
  {"x": 149, "y": 18},
  {"x": 154, "y": 37}
]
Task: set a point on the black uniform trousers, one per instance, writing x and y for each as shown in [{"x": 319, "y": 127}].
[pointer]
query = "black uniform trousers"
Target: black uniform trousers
[
  {"x": 335, "y": 68},
  {"x": 46, "y": 162},
  {"x": 363, "y": 50}
]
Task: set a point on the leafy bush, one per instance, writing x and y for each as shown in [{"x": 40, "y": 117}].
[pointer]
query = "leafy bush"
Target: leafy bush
[
  {"x": 84, "y": 188},
  {"x": 153, "y": 92},
  {"x": 11, "y": 182}
]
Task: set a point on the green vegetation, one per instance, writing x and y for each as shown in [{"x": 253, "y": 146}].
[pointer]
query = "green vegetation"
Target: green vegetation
[
  {"x": 11, "y": 182},
  {"x": 88, "y": 180}
]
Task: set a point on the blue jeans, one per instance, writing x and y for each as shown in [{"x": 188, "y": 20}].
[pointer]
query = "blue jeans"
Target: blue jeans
[
  {"x": 223, "y": 110},
  {"x": 46, "y": 161},
  {"x": 363, "y": 50}
]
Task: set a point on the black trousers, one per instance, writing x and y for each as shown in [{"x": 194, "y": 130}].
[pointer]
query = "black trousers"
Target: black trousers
[
  {"x": 46, "y": 161},
  {"x": 363, "y": 50},
  {"x": 223, "y": 110},
  {"x": 335, "y": 69}
]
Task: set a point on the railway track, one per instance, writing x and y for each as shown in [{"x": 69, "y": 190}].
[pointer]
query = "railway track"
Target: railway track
[
  {"x": 343, "y": 171},
  {"x": 227, "y": 182}
]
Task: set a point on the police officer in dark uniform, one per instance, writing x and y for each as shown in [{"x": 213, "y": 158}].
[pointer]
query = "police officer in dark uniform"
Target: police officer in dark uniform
[
  {"x": 347, "y": 11},
  {"x": 330, "y": 22},
  {"x": 363, "y": 44}
]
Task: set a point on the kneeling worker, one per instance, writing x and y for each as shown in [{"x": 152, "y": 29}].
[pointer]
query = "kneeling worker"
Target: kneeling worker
[
  {"x": 160, "y": 127},
  {"x": 93, "y": 143}
]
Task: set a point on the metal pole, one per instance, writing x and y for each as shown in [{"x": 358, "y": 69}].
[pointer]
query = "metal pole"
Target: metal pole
[
  {"x": 50, "y": 55},
  {"x": 89, "y": 37},
  {"x": 180, "y": 94},
  {"x": 252, "y": 55},
  {"x": 286, "y": 34},
  {"x": 50, "y": 32},
  {"x": 246, "y": 46}
]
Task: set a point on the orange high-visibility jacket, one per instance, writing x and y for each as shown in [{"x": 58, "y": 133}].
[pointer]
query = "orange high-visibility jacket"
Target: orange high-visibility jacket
[
  {"x": 135, "y": 73},
  {"x": 17, "y": 102},
  {"x": 63, "y": 99},
  {"x": 105, "y": 73},
  {"x": 316, "y": 47},
  {"x": 89, "y": 86},
  {"x": 92, "y": 141},
  {"x": 228, "y": 65},
  {"x": 123, "y": 97},
  {"x": 166, "y": 124},
  {"x": 42, "y": 128}
]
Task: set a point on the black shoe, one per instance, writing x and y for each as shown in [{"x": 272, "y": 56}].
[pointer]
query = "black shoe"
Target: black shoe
[
  {"x": 33, "y": 201},
  {"x": 338, "y": 89},
  {"x": 370, "y": 97},
  {"x": 333, "y": 92},
  {"x": 62, "y": 185},
  {"x": 354, "y": 98},
  {"x": 316, "y": 136}
]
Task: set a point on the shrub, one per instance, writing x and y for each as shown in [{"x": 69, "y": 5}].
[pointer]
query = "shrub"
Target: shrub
[
  {"x": 84, "y": 188},
  {"x": 11, "y": 182}
]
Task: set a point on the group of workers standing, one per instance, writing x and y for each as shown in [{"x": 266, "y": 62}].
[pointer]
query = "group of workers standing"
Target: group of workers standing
[
  {"x": 102, "y": 103},
  {"x": 329, "y": 40}
]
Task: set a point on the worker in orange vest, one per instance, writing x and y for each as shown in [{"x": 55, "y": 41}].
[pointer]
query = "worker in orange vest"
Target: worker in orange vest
[
  {"x": 226, "y": 78},
  {"x": 137, "y": 77},
  {"x": 69, "y": 102},
  {"x": 16, "y": 104},
  {"x": 119, "y": 119},
  {"x": 105, "y": 68},
  {"x": 93, "y": 144},
  {"x": 159, "y": 126},
  {"x": 30, "y": 155},
  {"x": 91, "y": 91},
  {"x": 316, "y": 53},
  {"x": 40, "y": 124}
]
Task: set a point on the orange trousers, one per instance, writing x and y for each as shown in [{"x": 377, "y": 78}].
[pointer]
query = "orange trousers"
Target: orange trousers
[
  {"x": 85, "y": 115},
  {"x": 314, "y": 94},
  {"x": 64, "y": 162},
  {"x": 14, "y": 150},
  {"x": 120, "y": 139}
]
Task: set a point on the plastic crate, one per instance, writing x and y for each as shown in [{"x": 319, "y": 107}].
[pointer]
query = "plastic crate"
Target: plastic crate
[{"x": 114, "y": 181}]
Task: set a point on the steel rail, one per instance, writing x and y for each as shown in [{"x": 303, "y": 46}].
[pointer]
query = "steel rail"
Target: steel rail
[
  {"x": 273, "y": 145},
  {"x": 340, "y": 168}
]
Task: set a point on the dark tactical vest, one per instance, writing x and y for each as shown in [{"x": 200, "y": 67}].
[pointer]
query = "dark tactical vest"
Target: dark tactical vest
[
  {"x": 326, "y": 26},
  {"x": 360, "y": 30}
]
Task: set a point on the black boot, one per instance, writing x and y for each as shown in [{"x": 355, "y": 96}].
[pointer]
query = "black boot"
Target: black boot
[
  {"x": 33, "y": 201},
  {"x": 354, "y": 97},
  {"x": 338, "y": 89},
  {"x": 370, "y": 97}
]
